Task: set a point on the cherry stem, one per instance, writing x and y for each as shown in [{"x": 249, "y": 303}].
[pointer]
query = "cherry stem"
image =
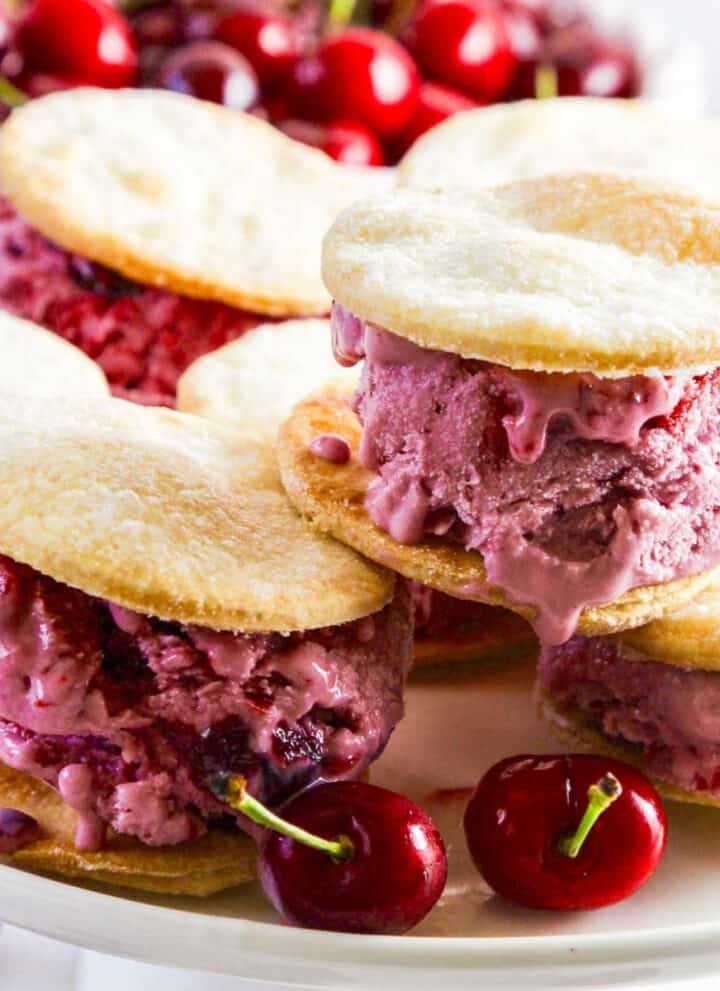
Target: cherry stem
[
  {"x": 546, "y": 82},
  {"x": 10, "y": 95},
  {"x": 341, "y": 12},
  {"x": 232, "y": 788},
  {"x": 600, "y": 798}
]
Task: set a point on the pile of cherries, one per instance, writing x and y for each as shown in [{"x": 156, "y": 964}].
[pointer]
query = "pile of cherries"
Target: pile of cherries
[{"x": 363, "y": 92}]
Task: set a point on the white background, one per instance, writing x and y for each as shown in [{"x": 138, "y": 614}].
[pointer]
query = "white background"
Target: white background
[{"x": 28, "y": 963}]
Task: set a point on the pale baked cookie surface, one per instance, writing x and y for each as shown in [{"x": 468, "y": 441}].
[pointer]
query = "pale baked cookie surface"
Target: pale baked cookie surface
[
  {"x": 254, "y": 382},
  {"x": 499, "y": 144},
  {"x": 172, "y": 516},
  {"x": 178, "y": 193},
  {"x": 35, "y": 361},
  {"x": 332, "y": 497},
  {"x": 220, "y": 859},
  {"x": 611, "y": 274}
]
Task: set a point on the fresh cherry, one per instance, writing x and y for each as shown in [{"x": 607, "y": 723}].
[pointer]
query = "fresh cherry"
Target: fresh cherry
[
  {"x": 464, "y": 43},
  {"x": 346, "y": 856},
  {"x": 565, "y": 832},
  {"x": 436, "y": 104},
  {"x": 158, "y": 24},
  {"x": 211, "y": 71},
  {"x": 85, "y": 40},
  {"x": 361, "y": 75},
  {"x": 523, "y": 32},
  {"x": 344, "y": 141},
  {"x": 268, "y": 41}
]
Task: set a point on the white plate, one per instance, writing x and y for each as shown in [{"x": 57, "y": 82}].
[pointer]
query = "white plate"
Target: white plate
[{"x": 455, "y": 728}]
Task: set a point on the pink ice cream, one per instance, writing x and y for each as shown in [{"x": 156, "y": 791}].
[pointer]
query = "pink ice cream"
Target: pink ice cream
[
  {"x": 142, "y": 338},
  {"x": 574, "y": 488},
  {"x": 672, "y": 714},
  {"x": 127, "y": 715}
]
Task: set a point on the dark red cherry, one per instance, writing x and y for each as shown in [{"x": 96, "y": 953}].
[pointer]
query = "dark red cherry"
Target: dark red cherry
[
  {"x": 565, "y": 832},
  {"x": 465, "y": 44},
  {"x": 211, "y": 71},
  {"x": 361, "y": 75},
  {"x": 435, "y": 105},
  {"x": 85, "y": 40},
  {"x": 344, "y": 141},
  {"x": 269, "y": 41},
  {"x": 160, "y": 24}
]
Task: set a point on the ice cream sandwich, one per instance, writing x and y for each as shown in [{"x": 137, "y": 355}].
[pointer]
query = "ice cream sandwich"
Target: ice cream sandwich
[
  {"x": 647, "y": 695},
  {"x": 536, "y": 425},
  {"x": 253, "y": 384},
  {"x": 149, "y": 228},
  {"x": 166, "y": 615},
  {"x": 533, "y": 138}
]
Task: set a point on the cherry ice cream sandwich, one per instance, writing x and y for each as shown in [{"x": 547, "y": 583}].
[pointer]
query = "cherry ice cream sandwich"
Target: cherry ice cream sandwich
[
  {"x": 533, "y": 138},
  {"x": 536, "y": 425},
  {"x": 650, "y": 696},
  {"x": 165, "y": 615},
  {"x": 149, "y": 228},
  {"x": 253, "y": 384}
]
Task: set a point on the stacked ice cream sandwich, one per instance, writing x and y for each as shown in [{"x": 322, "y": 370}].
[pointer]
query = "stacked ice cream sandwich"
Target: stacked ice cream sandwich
[
  {"x": 165, "y": 615},
  {"x": 536, "y": 424},
  {"x": 149, "y": 228},
  {"x": 254, "y": 384}
]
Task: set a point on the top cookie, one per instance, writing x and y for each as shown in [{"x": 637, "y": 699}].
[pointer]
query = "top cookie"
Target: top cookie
[
  {"x": 615, "y": 274},
  {"x": 34, "y": 361},
  {"x": 176, "y": 192},
  {"x": 254, "y": 382},
  {"x": 492, "y": 145},
  {"x": 170, "y": 515},
  {"x": 689, "y": 637}
]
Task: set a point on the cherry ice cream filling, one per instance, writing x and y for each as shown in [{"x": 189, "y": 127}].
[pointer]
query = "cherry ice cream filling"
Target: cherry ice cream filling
[
  {"x": 129, "y": 716},
  {"x": 574, "y": 488},
  {"x": 143, "y": 338},
  {"x": 670, "y": 714}
]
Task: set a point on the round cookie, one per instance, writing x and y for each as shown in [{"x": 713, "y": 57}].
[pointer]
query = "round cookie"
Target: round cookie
[
  {"x": 220, "y": 859},
  {"x": 34, "y": 361},
  {"x": 332, "y": 498},
  {"x": 169, "y": 515},
  {"x": 611, "y": 274},
  {"x": 177, "y": 192},
  {"x": 254, "y": 382},
  {"x": 531, "y": 138},
  {"x": 577, "y": 732}
]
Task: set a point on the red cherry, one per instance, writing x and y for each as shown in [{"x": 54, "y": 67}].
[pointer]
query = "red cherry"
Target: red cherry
[
  {"x": 464, "y": 43},
  {"x": 525, "y": 807},
  {"x": 211, "y": 71},
  {"x": 523, "y": 31},
  {"x": 396, "y": 874},
  {"x": 436, "y": 104},
  {"x": 344, "y": 141},
  {"x": 159, "y": 24},
  {"x": 86, "y": 40},
  {"x": 37, "y": 84},
  {"x": 268, "y": 41},
  {"x": 360, "y": 75}
]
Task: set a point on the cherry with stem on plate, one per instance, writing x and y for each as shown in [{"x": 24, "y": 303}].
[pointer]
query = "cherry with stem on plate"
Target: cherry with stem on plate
[
  {"x": 86, "y": 41},
  {"x": 345, "y": 856},
  {"x": 565, "y": 832}
]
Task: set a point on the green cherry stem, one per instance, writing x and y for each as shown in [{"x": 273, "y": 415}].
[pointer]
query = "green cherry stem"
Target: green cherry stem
[
  {"x": 341, "y": 12},
  {"x": 600, "y": 798},
  {"x": 232, "y": 789},
  {"x": 546, "y": 82},
  {"x": 10, "y": 95}
]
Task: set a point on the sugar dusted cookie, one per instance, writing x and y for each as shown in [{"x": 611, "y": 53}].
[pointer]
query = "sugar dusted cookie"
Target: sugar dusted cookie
[
  {"x": 175, "y": 192},
  {"x": 524, "y": 140}
]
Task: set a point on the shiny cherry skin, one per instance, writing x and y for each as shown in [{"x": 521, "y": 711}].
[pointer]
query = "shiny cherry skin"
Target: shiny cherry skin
[
  {"x": 268, "y": 41},
  {"x": 98, "y": 50},
  {"x": 435, "y": 105},
  {"x": 344, "y": 141},
  {"x": 465, "y": 44},
  {"x": 524, "y": 806},
  {"x": 358, "y": 74},
  {"x": 211, "y": 71},
  {"x": 523, "y": 32},
  {"x": 396, "y": 875}
]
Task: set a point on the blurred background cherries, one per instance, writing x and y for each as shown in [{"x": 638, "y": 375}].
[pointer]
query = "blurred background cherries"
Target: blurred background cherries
[{"x": 360, "y": 80}]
